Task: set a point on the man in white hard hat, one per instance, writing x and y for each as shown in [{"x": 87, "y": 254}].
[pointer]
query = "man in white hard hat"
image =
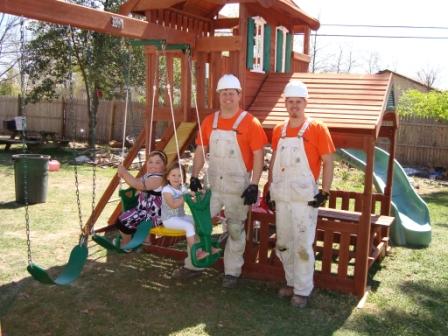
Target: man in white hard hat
[
  {"x": 301, "y": 148},
  {"x": 235, "y": 142}
]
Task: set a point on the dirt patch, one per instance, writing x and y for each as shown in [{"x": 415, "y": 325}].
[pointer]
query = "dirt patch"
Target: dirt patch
[{"x": 425, "y": 186}]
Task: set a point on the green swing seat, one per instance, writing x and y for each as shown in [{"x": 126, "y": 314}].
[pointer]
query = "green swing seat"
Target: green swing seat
[
  {"x": 200, "y": 209},
  {"x": 71, "y": 271},
  {"x": 129, "y": 200}
]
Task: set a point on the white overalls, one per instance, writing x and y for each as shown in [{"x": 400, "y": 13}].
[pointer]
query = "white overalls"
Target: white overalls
[
  {"x": 292, "y": 187},
  {"x": 228, "y": 178}
]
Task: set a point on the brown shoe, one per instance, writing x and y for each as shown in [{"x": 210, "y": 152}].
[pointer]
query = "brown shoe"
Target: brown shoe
[
  {"x": 286, "y": 292},
  {"x": 299, "y": 301},
  {"x": 183, "y": 273}
]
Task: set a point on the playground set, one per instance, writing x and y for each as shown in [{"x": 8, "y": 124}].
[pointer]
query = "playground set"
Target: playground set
[{"x": 257, "y": 46}]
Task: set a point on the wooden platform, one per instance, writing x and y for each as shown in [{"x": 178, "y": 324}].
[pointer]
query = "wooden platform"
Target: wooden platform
[{"x": 336, "y": 247}]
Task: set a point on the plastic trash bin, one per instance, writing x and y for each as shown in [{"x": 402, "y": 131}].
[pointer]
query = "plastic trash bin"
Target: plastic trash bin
[{"x": 35, "y": 168}]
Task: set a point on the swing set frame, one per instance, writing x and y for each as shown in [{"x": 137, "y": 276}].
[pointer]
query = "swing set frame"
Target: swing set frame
[{"x": 362, "y": 238}]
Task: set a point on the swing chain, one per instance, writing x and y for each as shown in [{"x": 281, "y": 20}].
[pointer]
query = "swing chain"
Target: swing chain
[{"x": 24, "y": 149}]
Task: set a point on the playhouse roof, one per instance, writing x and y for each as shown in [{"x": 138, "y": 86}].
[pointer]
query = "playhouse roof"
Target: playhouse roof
[
  {"x": 210, "y": 8},
  {"x": 354, "y": 103}
]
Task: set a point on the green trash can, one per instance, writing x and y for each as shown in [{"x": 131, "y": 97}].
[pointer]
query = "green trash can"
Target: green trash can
[{"x": 35, "y": 168}]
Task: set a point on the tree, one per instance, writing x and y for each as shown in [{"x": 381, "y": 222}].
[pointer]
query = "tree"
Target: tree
[
  {"x": 105, "y": 63},
  {"x": 433, "y": 104},
  {"x": 8, "y": 52},
  {"x": 428, "y": 76}
]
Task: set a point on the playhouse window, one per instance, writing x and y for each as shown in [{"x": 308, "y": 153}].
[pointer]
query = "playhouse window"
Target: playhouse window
[
  {"x": 283, "y": 50},
  {"x": 258, "y": 43}
]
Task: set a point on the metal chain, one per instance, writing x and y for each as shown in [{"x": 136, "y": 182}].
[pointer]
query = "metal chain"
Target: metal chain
[
  {"x": 71, "y": 112},
  {"x": 24, "y": 148}
]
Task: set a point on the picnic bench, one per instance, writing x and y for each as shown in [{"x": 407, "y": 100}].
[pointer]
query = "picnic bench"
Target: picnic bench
[{"x": 32, "y": 139}]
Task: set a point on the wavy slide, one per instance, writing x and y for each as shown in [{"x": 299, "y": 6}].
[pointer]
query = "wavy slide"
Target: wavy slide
[{"x": 412, "y": 226}]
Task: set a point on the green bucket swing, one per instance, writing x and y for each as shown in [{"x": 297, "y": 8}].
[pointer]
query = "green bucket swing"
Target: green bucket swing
[{"x": 200, "y": 209}]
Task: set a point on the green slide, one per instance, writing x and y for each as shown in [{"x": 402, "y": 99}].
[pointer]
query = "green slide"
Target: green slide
[{"x": 412, "y": 226}]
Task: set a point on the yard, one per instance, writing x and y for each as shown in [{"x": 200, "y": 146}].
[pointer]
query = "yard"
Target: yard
[{"x": 134, "y": 294}]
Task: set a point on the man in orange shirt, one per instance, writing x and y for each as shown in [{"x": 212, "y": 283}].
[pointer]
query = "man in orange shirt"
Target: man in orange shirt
[
  {"x": 235, "y": 141},
  {"x": 301, "y": 148}
]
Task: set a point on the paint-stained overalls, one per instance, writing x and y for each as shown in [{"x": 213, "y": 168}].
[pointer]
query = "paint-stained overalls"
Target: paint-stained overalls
[
  {"x": 292, "y": 187},
  {"x": 228, "y": 179}
]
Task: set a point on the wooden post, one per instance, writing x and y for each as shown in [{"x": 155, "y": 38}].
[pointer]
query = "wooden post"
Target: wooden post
[
  {"x": 363, "y": 239},
  {"x": 63, "y": 118},
  {"x": 243, "y": 51},
  {"x": 306, "y": 40},
  {"x": 186, "y": 88},
  {"x": 111, "y": 123},
  {"x": 200, "y": 80},
  {"x": 390, "y": 165}
]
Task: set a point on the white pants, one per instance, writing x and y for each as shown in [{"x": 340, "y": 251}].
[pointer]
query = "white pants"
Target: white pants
[
  {"x": 296, "y": 229},
  {"x": 181, "y": 223},
  {"x": 235, "y": 212}
]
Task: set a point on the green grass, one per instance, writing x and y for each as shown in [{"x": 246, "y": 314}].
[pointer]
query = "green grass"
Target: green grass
[{"x": 134, "y": 294}]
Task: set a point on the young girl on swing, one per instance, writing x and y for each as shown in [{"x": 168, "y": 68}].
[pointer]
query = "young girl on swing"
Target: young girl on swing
[
  {"x": 149, "y": 199},
  {"x": 173, "y": 213}
]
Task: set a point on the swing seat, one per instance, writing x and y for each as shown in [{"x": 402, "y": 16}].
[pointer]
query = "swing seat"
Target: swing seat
[
  {"x": 137, "y": 239},
  {"x": 165, "y": 232},
  {"x": 129, "y": 200},
  {"x": 71, "y": 271},
  {"x": 200, "y": 209}
]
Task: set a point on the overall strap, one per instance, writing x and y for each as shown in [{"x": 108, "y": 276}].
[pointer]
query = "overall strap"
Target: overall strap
[
  {"x": 215, "y": 120},
  {"x": 285, "y": 126},
  {"x": 239, "y": 120},
  {"x": 304, "y": 127}
]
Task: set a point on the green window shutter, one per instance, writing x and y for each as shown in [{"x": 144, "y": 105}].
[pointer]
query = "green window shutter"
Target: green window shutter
[
  {"x": 279, "y": 51},
  {"x": 250, "y": 43},
  {"x": 288, "y": 52},
  {"x": 267, "y": 48}
]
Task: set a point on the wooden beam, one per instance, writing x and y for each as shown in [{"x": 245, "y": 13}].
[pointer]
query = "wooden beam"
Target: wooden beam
[
  {"x": 225, "y": 23},
  {"x": 144, "y": 5},
  {"x": 218, "y": 43},
  {"x": 59, "y": 12},
  {"x": 127, "y": 7}
]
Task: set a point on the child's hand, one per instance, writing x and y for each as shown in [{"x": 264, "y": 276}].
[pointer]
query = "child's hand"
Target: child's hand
[{"x": 121, "y": 170}]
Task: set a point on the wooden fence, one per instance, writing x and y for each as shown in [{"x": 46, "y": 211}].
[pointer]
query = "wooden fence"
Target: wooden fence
[
  {"x": 70, "y": 121},
  {"x": 422, "y": 142}
]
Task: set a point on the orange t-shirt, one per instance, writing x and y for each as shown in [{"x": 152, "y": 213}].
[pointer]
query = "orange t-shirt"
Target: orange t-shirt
[
  {"x": 317, "y": 141},
  {"x": 250, "y": 136}
]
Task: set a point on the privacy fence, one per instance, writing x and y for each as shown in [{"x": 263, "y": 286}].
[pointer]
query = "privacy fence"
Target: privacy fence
[
  {"x": 421, "y": 141},
  {"x": 71, "y": 121}
]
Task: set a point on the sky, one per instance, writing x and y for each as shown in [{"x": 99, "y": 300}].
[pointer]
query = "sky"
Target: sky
[{"x": 405, "y": 56}]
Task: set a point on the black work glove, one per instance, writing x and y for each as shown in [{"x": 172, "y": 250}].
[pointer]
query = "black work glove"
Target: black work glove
[
  {"x": 269, "y": 202},
  {"x": 319, "y": 199},
  {"x": 250, "y": 195},
  {"x": 195, "y": 184}
]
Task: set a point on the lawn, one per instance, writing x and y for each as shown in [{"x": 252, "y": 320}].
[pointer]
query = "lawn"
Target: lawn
[{"x": 134, "y": 294}]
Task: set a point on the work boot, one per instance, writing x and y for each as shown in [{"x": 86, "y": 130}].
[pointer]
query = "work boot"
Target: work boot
[
  {"x": 229, "y": 281},
  {"x": 286, "y": 292},
  {"x": 183, "y": 273},
  {"x": 299, "y": 301}
]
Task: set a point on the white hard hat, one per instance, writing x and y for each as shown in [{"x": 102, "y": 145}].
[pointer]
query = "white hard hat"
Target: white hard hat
[
  {"x": 228, "y": 81},
  {"x": 296, "y": 88}
]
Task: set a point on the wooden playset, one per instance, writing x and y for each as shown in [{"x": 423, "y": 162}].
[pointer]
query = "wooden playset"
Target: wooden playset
[{"x": 256, "y": 46}]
